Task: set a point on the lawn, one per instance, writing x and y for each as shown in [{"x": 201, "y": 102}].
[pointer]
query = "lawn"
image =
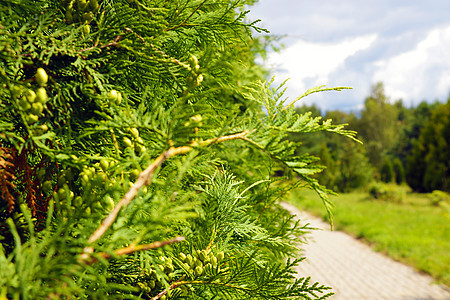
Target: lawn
[{"x": 413, "y": 232}]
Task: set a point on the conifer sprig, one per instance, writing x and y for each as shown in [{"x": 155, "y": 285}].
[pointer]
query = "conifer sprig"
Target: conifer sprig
[{"x": 144, "y": 179}]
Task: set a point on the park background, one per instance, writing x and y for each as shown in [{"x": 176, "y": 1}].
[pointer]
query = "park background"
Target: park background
[{"x": 394, "y": 187}]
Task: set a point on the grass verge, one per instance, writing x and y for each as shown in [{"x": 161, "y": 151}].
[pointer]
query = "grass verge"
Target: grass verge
[{"x": 413, "y": 232}]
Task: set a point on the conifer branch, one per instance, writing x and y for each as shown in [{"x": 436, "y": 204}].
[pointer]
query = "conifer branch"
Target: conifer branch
[
  {"x": 139, "y": 37},
  {"x": 113, "y": 43},
  {"x": 146, "y": 176},
  {"x": 199, "y": 282},
  {"x": 144, "y": 179},
  {"x": 133, "y": 248},
  {"x": 211, "y": 241},
  {"x": 116, "y": 144},
  {"x": 318, "y": 89},
  {"x": 242, "y": 135}
]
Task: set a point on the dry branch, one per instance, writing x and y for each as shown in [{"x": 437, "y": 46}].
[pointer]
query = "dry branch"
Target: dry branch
[{"x": 88, "y": 259}]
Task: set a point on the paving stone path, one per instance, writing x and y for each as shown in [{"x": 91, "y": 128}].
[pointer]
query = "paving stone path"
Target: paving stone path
[{"x": 355, "y": 271}]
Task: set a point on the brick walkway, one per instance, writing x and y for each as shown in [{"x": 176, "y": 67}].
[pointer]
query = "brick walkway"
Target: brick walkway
[{"x": 355, "y": 271}]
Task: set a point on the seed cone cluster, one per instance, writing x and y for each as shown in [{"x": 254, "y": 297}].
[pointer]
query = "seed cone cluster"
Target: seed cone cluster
[
  {"x": 80, "y": 11},
  {"x": 134, "y": 141},
  {"x": 152, "y": 280},
  {"x": 33, "y": 101},
  {"x": 195, "y": 78},
  {"x": 202, "y": 262},
  {"x": 198, "y": 264}
]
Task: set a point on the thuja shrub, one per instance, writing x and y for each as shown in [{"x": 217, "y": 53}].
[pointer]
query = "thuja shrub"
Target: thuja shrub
[{"x": 137, "y": 147}]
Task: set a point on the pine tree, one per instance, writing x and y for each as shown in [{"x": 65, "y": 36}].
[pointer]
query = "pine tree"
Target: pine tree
[{"x": 137, "y": 147}]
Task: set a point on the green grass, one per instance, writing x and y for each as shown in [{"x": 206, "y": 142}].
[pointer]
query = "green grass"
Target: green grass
[{"x": 413, "y": 232}]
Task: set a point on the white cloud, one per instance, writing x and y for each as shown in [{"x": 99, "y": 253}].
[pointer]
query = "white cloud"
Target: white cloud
[
  {"x": 314, "y": 62},
  {"x": 421, "y": 72},
  {"x": 401, "y": 43}
]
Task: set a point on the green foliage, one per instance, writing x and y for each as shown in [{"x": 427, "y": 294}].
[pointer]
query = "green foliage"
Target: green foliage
[
  {"x": 137, "y": 151},
  {"x": 282, "y": 120},
  {"x": 347, "y": 166}
]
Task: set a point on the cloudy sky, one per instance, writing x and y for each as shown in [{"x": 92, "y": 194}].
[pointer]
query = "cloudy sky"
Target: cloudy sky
[{"x": 403, "y": 43}]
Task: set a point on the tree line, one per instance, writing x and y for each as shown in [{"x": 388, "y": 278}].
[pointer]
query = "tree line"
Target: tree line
[{"x": 405, "y": 145}]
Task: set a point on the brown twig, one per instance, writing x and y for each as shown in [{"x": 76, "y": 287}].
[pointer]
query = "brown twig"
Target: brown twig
[
  {"x": 139, "y": 37},
  {"x": 90, "y": 48},
  {"x": 113, "y": 43},
  {"x": 88, "y": 259},
  {"x": 171, "y": 287},
  {"x": 7, "y": 176},
  {"x": 187, "y": 19},
  {"x": 241, "y": 135},
  {"x": 134, "y": 248}
]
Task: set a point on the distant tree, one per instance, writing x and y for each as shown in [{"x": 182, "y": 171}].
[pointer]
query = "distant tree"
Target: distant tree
[
  {"x": 330, "y": 174},
  {"x": 354, "y": 168},
  {"x": 402, "y": 111},
  {"x": 378, "y": 126},
  {"x": 313, "y": 109},
  {"x": 387, "y": 170},
  {"x": 428, "y": 165},
  {"x": 413, "y": 120},
  {"x": 399, "y": 171}
]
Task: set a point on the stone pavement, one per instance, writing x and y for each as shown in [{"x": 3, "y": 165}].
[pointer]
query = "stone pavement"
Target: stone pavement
[{"x": 355, "y": 271}]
